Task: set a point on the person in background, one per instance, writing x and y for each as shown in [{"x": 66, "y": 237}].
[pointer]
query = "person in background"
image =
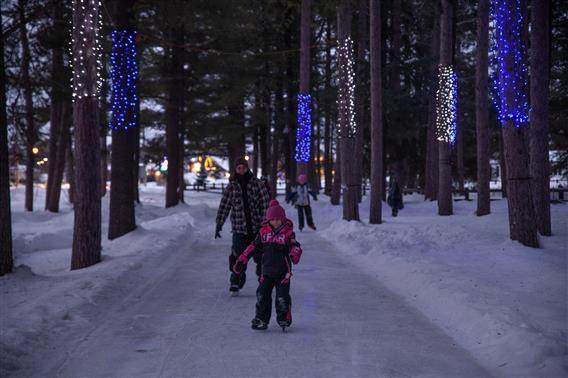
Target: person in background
[
  {"x": 300, "y": 198},
  {"x": 394, "y": 198},
  {"x": 246, "y": 199}
]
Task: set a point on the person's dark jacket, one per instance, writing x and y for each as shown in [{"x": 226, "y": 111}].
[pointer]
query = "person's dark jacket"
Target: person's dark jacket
[
  {"x": 233, "y": 202},
  {"x": 394, "y": 198},
  {"x": 276, "y": 249}
]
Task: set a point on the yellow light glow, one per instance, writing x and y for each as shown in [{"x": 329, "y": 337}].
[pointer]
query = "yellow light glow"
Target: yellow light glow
[
  {"x": 35, "y": 150},
  {"x": 247, "y": 157},
  {"x": 157, "y": 174}
]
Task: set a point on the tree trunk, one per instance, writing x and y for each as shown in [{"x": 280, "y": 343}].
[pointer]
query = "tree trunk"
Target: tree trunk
[
  {"x": 481, "y": 112},
  {"x": 395, "y": 48},
  {"x": 348, "y": 131},
  {"x": 70, "y": 168},
  {"x": 59, "y": 167},
  {"x": 305, "y": 39},
  {"x": 279, "y": 125},
  {"x": 336, "y": 188},
  {"x": 172, "y": 119},
  {"x": 28, "y": 97},
  {"x": 362, "y": 95},
  {"x": 460, "y": 150},
  {"x": 265, "y": 127},
  {"x": 255, "y": 153},
  {"x": 539, "y": 162},
  {"x": 6, "y": 261},
  {"x": 328, "y": 157},
  {"x": 502, "y": 165},
  {"x": 375, "y": 215},
  {"x": 522, "y": 221},
  {"x": 445, "y": 171},
  {"x": 86, "y": 249},
  {"x": 431, "y": 187},
  {"x": 121, "y": 210},
  {"x": 104, "y": 132}
]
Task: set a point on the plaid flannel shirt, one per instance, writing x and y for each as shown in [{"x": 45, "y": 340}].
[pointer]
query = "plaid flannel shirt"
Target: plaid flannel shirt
[{"x": 232, "y": 201}]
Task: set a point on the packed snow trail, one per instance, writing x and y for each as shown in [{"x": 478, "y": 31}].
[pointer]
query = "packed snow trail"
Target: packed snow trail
[{"x": 173, "y": 316}]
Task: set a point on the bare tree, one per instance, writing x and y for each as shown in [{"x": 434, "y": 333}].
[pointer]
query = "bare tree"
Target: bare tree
[
  {"x": 86, "y": 249},
  {"x": 375, "y": 216},
  {"x": 444, "y": 148},
  {"x": 28, "y": 98},
  {"x": 539, "y": 163},
  {"x": 6, "y": 262},
  {"x": 481, "y": 112}
]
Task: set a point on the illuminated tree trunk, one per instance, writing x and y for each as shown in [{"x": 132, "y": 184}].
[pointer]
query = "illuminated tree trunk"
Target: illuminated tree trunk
[
  {"x": 28, "y": 98},
  {"x": 481, "y": 112},
  {"x": 431, "y": 187},
  {"x": 347, "y": 136},
  {"x": 121, "y": 211},
  {"x": 86, "y": 249},
  {"x": 328, "y": 156},
  {"x": 305, "y": 38},
  {"x": 336, "y": 188},
  {"x": 444, "y": 148},
  {"x": 539, "y": 164},
  {"x": 6, "y": 261},
  {"x": 375, "y": 216}
]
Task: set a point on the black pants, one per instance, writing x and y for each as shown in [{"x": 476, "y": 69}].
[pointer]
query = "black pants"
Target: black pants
[
  {"x": 240, "y": 243},
  {"x": 283, "y": 303},
  {"x": 308, "y": 211}
]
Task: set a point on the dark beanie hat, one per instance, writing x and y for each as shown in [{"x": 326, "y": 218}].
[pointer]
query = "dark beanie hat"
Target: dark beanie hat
[{"x": 241, "y": 161}]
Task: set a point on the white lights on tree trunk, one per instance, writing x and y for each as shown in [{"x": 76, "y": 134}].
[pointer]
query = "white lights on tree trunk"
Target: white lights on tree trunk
[
  {"x": 446, "y": 103},
  {"x": 346, "y": 95}
]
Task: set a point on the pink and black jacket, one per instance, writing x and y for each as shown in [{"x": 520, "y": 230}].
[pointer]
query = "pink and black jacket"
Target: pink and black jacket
[{"x": 276, "y": 249}]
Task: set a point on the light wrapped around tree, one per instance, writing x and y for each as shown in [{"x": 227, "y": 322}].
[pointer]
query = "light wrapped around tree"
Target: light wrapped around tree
[
  {"x": 346, "y": 95},
  {"x": 80, "y": 56},
  {"x": 510, "y": 79},
  {"x": 303, "y": 133},
  {"x": 446, "y": 103},
  {"x": 124, "y": 75}
]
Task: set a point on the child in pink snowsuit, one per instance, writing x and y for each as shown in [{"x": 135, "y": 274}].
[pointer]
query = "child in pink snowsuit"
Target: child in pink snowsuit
[{"x": 276, "y": 248}]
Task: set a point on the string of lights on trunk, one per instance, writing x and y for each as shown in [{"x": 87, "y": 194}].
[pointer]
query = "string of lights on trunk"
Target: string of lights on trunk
[
  {"x": 124, "y": 75},
  {"x": 304, "y": 131},
  {"x": 81, "y": 63},
  {"x": 510, "y": 77},
  {"x": 346, "y": 93},
  {"x": 446, "y": 104}
]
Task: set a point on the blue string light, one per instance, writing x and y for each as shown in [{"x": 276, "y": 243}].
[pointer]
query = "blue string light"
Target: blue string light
[
  {"x": 510, "y": 76},
  {"x": 304, "y": 131},
  {"x": 446, "y": 103},
  {"x": 124, "y": 74}
]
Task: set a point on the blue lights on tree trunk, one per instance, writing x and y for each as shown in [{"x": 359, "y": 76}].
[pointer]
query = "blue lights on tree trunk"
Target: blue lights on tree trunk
[
  {"x": 124, "y": 75},
  {"x": 304, "y": 131}
]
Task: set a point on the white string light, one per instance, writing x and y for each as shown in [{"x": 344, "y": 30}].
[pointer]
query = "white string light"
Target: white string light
[
  {"x": 90, "y": 27},
  {"x": 346, "y": 95},
  {"x": 446, "y": 102}
]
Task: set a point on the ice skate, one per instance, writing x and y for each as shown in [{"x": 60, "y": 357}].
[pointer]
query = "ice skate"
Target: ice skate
[{"x": 258, "y": 324}]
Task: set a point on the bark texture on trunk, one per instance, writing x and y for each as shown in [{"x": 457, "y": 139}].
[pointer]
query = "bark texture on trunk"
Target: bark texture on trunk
[
  {"x": 59, "y": 168},
  {"x": 362, "y": 94},
  {"x": 6, "y": 259},
  {"x": 375, "y": 216},
  {"x": 305, "y": 39},
  {"x": 539, "y": 162},
  {"x": 481, "y": 111},
  {"x": 328, "y": 157},
  {"x": 445, "y": 206}
]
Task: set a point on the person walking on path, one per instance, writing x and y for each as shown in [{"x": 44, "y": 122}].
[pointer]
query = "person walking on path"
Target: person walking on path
[
  {"x": 277, "y": 248},
  {"x": 394, "y": 198},
  {"x": 246, "y": 199},
  {"x": 300, "y": 198}
]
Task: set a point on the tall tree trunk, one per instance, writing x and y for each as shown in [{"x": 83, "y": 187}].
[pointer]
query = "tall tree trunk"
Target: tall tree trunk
[
  {"x": 522, "y": 221},
  {"x": 362, "y": 94},
  {"x": 431, "y": 189},
  {"x": 375, "y": 215},
  {"x": 172, "y": 119},
  {"x": 539, "y": 164},
  {"x": 395, "y": 47},
  {"x": 28, "y": 97},
  {"x": 481, "y": 112},
  {"x": 265, "y": 127},
  {"x": 56, "y": 107},
  {"x": 348, "y": 139},
  {"x": 445, "y": 206},
  {"x": 104, "y": 132},
  {"x": 328, "y": 157},
  {"x": 305, "y": 53},
  {"x": 460, "y": 149},
  {"x": 6, "y": 261},
  {"x": 86, "y": 249},
  {"x": 255, "y": 152},
  {"x": 70, "y": 167},
  {"x": 59, "y": 167},
  {"x": 279, "y": 110},
  {"x": 122, "y": 218},
  {"x": 336, "y": 188},
  {"x": 502, "y": 165}
]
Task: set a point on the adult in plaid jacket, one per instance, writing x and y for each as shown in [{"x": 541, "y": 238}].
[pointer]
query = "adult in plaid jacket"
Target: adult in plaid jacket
[{"x": 246, "y": 199}]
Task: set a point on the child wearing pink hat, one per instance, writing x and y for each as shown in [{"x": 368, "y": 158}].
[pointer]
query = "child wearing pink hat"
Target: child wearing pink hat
[{"x": 276, "y": 247}]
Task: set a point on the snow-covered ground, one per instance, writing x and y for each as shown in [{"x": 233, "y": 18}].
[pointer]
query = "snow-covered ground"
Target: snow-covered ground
[{"x": 419, "y": 295}]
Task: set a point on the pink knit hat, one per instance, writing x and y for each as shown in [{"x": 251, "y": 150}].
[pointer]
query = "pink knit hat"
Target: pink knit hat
[
  {"x": 275, "y": 211},
  {"x": 302, "y": 179}
]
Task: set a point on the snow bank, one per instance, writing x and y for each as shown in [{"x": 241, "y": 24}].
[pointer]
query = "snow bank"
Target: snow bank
[{"x": 504, "y": 302}]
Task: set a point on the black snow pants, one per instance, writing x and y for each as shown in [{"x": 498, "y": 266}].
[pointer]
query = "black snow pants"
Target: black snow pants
[
  {"x": 283, "y": 303},
  {"x": 240, "y": 243},
  {"x": 308, "y": 211}
]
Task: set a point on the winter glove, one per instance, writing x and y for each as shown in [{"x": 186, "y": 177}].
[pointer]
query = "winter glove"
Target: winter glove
[
  {"x": 295, "y": 253},
  {"x": 239, "y": 265},
  {"x": 315, "y": 196},
  {"x": 218, "y": 231}
]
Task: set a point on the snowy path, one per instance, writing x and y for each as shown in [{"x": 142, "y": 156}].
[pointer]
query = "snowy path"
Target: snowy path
[{"x": 172, "y": 316}]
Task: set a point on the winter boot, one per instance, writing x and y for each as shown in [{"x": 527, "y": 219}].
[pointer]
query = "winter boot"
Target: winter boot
[
  {"x": 234, "y": 290},
  {"x": 312, "y": 226},
  {"x": 284, "y": 324},
  {"x": 258, "y": 324}
]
